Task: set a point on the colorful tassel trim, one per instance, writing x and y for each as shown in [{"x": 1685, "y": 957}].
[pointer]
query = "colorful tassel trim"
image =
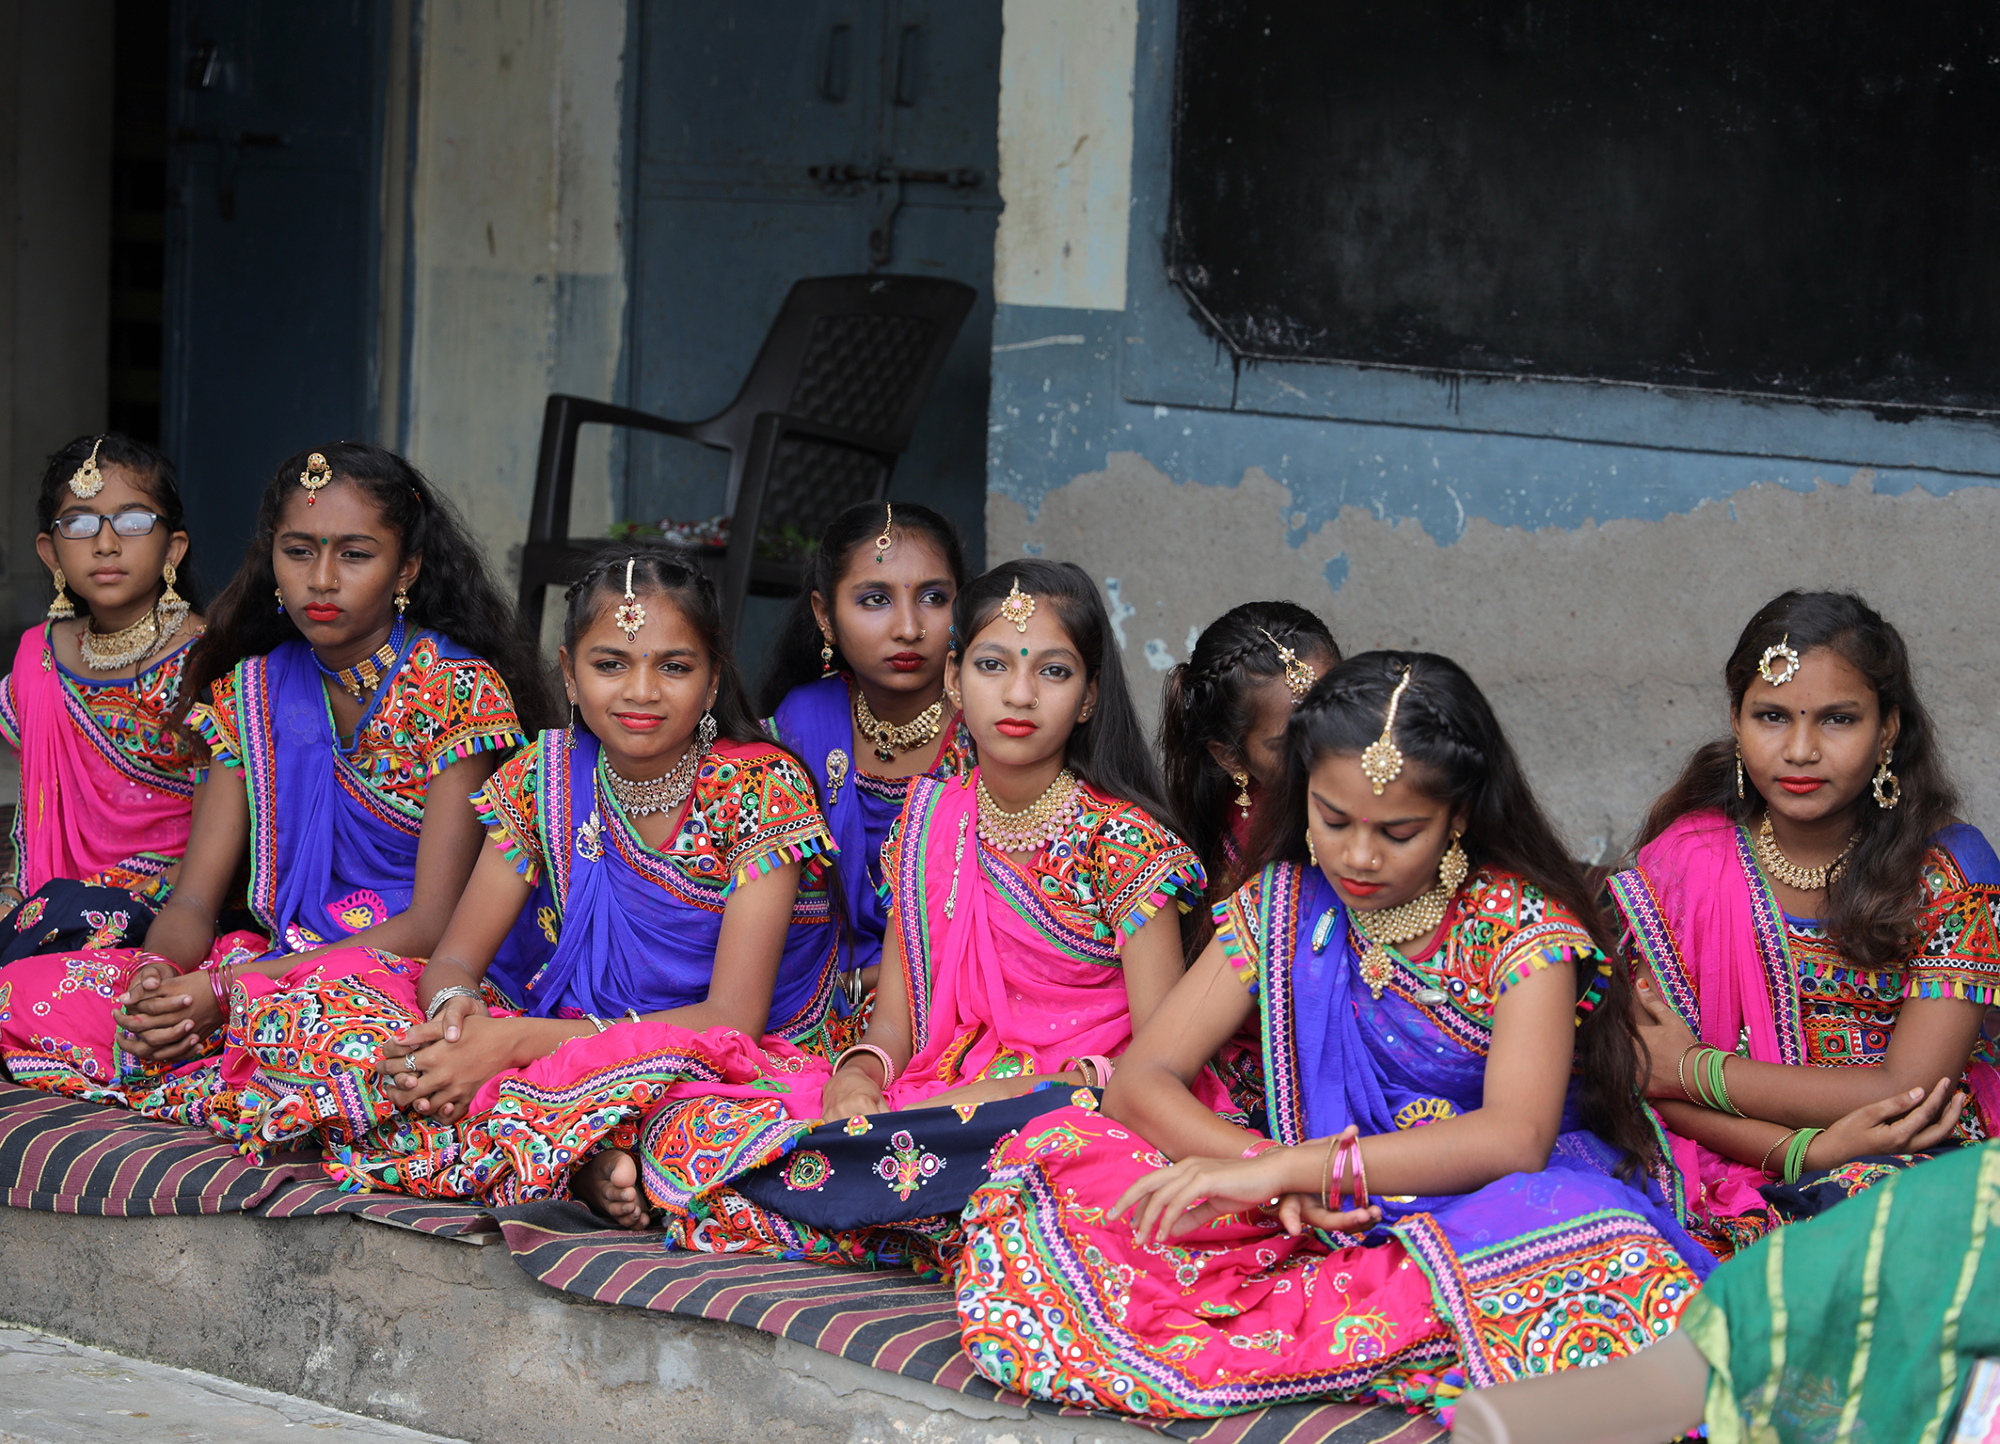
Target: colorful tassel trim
[
  {"x": 508, "y": 738},
  {"x": 526, "y": 857},
  {"x": 202, "y": 720},
  {"x": 782, "y": 854},
  {"x": 1248, "y": 970},
  {"x": 1182, "y": 887},
  {"x": 1957, "y": 989}
]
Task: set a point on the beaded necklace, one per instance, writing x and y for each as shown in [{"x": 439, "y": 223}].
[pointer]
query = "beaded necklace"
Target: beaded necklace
[
  {"x": 1041, "y": 822},
  {"x": 366, "y": 675}
]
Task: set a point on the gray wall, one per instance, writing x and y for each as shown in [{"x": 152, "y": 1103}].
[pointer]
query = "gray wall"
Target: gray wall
[{"x": 1587, "y": 552}]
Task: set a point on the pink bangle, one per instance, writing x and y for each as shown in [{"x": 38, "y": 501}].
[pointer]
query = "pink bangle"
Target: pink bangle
[
  {"x": 1262, "y": 1145},
  {"x": 1348, "y": 1163},
  {"x": 888, "y": 1068},
  {"x": 221, "y": 981}
]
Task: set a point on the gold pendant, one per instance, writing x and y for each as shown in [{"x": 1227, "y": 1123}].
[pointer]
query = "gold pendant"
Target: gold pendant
[{"x": 1376, "y": 969}]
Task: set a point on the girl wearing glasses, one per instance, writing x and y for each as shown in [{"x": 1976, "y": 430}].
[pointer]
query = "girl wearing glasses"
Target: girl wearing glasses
[{"x": 107, "y": 781}]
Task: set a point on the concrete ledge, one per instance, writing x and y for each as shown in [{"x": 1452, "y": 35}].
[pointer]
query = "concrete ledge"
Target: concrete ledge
[{"x": 452, "y": 1338}]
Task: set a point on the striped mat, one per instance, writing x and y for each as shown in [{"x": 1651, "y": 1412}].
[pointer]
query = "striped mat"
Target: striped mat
[{"x": 886, "y": 1320}]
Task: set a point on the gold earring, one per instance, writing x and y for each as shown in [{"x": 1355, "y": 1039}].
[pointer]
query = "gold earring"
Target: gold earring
[
  {"x": 169, "y": 576},
  {"x": 1739, "y": 772},
  {"x": 1888, "y": 791},
  {"x": 402, "y": 600},
  {"x": 1311, "y": 851},
  {"x": 1242, "y": 781},
  {"x": 826, "y": 655},
  {"x": 60, "y": 609},
  {"x": 1453, "y": 867}
]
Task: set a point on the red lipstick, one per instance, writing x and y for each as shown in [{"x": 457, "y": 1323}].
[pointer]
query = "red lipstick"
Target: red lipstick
[
  {"x": 1361, "y": 889},
  {"x": 1800, "y": 786},
  {"x": 637, "y": 721},
  {"x": 907, "y": 662},
  {"x": 323, "y": 611},
  {"x": 1016, "y": 727}
]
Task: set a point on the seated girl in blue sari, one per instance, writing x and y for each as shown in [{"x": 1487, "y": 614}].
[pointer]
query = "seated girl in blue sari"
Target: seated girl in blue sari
[
  {"x": 1443, "y": 1199},
  {"x": 358, "y": 682},
  {"x": 857, "y": 691},
  {"x": 660, "y": 862}
]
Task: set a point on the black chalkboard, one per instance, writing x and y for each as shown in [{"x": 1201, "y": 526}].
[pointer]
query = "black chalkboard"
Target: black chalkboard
[{"x": 1791, "y": 197}]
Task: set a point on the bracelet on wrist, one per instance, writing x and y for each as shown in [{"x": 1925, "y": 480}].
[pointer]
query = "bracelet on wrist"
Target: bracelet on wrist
[
  {"x": 1261, "y": 1145},
  {"x": 881, "y": 1056},
  {"x": 445, "y": 995},
  {"x": 1795, "y": 1154}
]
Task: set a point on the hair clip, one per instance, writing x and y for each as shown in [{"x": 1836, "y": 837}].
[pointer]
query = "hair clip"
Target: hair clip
[
  {"x": 1779, "y": 653},
  {"x": 86, "y": 481},
  {"x": 1299, "y": 676},
  {"x": 632, "y": 615},
  {"x": 1382, "y": 759},
  {"x": 1018, "y": 607},
  {"x": 315, "y": 477},
  {"x": 888, "y": 520}
]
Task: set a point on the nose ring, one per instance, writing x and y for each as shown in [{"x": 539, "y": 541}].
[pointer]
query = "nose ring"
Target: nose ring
[
  {"x": 923, "y": 632},
  {"x": 1034, "y": 704}
]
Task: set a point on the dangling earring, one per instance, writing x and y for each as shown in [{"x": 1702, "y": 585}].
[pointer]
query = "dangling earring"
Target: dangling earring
[
  {"x": 60, "y": 609},
  {"x": 572, "y": 721},
  {"x": 1311, "y": 851},
  {"x": 1739, "y": 772},
  {"x": 402, "y": 600},
  {"x": 826, "y": 656},
  {"x": 279, "y": 593},
  {"x": 704, "y": 732},
  {"x": 1453, "y": 867},
  {"x": 172, "y": 605},
  {"x": 1242, "y": 781},
  {"x": 1888, "y": 791}
]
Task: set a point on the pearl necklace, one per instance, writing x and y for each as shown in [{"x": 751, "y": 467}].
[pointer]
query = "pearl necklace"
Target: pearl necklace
[
  {"x": 1041, "y": 822},
  {"x": 108, "y": 651},
  {"x": 1804, "y": 879},
  {"x": 890, "y": 739},
  {"x": 655, "y": 794}
]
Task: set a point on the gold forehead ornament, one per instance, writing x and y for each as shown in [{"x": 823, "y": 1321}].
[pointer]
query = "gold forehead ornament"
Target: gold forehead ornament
[
  {"x": 631, "y": 615},
  {"x": 1781, "y": 653},
  {"x": 1299, "y": 676},
  {"x": 86, "y": 481},
  {"x": 888, "y": 522},
  {"x": 1018, "y": 607},
  {"x": 315, "y": 477},
  {"x": 1382, "y": 759}
]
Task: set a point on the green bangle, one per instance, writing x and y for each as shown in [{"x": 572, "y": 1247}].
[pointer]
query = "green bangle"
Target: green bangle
[
  {"x": 1715, "y": 1060},
  {"x": 1795, "y": 1152}
]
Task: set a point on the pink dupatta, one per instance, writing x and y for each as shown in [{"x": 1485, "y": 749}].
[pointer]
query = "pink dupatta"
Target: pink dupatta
[{"x": 85, "y": 805}]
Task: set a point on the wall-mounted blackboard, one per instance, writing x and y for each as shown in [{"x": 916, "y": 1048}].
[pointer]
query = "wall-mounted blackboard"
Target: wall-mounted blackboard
[{"x": 1790, "y": 197}]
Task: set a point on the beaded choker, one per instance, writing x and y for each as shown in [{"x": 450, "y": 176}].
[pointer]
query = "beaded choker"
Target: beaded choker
[
  {"x": 360, "y": 680},
  {"x": 890, "y": 739},
  {"x": 1027, "y": 831},
  {"x": 1804, "y": 879},
  {"x": 1417, "y": 918}
]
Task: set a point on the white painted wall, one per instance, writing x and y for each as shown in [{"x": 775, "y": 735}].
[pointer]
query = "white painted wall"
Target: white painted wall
[
  {"x": 517, "y": 253},
  {"x": 1065, "y": 152}
]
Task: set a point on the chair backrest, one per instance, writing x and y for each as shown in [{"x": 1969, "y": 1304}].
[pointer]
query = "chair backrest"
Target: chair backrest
[{"x": 828, "y": 406}]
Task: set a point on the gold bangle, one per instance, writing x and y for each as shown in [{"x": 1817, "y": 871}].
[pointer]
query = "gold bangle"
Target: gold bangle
[
  {"x": 1680, "y": 1072},
  {"x": 1326, "y": 1172},
  {"x": 1764, "y": 1165}
]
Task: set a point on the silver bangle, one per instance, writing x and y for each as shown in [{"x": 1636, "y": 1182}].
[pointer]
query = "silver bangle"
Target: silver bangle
[
  {"x": 445, "y": 995},
  {"x": 595, "y": 1021},
  {"x": 632, "y": 1016}
]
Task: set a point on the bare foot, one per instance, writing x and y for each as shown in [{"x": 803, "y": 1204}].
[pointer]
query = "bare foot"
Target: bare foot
[{"x": 609, "y": 1183}]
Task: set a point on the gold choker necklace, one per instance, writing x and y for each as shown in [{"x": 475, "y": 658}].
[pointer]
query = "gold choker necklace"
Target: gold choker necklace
[
  {"x": 108, "y": 651},
  {"x": 1040, "y": 823},
  {"x": 1417, "y": 918},
  {"x": 360, "y": 680},
  {"x": 890, "y": 739},
  {"x": 1803, "y": 879}
]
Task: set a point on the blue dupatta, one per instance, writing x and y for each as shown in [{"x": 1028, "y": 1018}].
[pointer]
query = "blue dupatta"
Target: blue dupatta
[
  {"x": 623, "y": 927},
  {"x": 329, "y": 855}
]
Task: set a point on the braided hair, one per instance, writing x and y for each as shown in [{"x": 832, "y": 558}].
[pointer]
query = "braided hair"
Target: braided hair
[
  {"x": 1207, "y": 700},
  {"x": 1456, "y": 753},
  {"x": 660, "y": 571}
]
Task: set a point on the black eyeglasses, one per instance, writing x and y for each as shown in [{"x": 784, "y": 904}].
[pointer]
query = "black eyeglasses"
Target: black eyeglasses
[{"x": 84, "y": 526}]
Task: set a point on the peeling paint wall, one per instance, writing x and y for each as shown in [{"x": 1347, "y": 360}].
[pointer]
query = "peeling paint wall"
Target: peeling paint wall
[
  {"x": 1589, "y": 554},
  {"x": 517, "y": 278}
]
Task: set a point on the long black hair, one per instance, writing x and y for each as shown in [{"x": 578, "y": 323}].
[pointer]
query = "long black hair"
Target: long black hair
[
  {"x": 1872, "y": 905},
  {"x": 1456, "y": 753},
  {"x": 1207, "y": 699},
  {"x": 659, "y": 570},
  {"x": 1109, "y": 750},
  {"x": 156, "y": 477},
  {"x": 795, "y": 658},
  {"x": 453, "y": 594}
]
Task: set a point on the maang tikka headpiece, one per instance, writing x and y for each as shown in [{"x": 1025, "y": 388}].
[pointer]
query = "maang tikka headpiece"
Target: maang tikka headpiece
[
  {"x": 315, "y": 477},
  {"x": 888, "y": 522},
  {"x": 1018, "y": 607},
  {"x": 1382, "y": 759},
  {"x": 631, "y": 615},
  {"x": 86, "y": 481},
  {"x": 1782, "y": 654},
  {"x": 1299, "y": 676}
]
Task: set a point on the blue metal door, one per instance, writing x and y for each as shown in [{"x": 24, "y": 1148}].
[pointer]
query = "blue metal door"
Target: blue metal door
[
  {"x": 796, "y": 138},
  {"x": 272, "y": 227}
]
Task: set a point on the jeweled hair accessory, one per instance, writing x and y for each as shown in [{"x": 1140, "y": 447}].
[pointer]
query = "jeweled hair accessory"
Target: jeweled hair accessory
[
  {"x": 1780, "y": 653},
  {"x": 1299, "y": 676},
  {"x": 1382, "y": 759},
  {"x": 631, "y": 615},
  {"x": 1018, "y": 607},
  {"x": 315, "y": 477},
  {"x": 86, "y": 481},
  {"x": 888, "y": 523}
]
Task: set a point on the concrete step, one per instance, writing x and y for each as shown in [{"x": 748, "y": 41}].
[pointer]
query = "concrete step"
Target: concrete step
[{"x": 451, "y": 1337}]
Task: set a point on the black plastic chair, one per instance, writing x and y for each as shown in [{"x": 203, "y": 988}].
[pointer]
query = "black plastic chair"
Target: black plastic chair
[{"x": 825, "y": 412}]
